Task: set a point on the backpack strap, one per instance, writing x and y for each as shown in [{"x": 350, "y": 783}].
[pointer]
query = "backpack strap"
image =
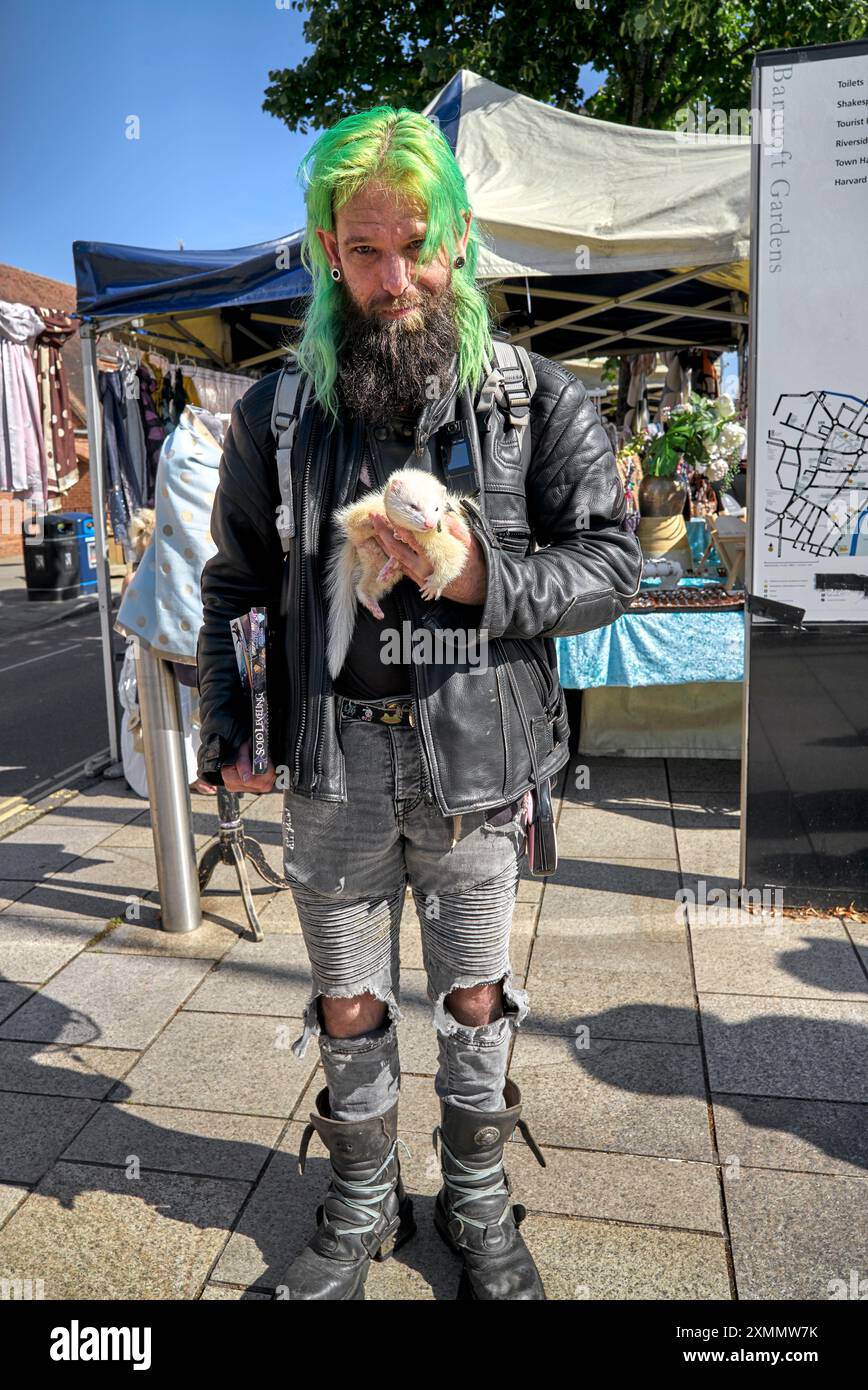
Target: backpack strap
[
  {"x": 510, "y": 381},
  {"x": 290, "y": 399}
]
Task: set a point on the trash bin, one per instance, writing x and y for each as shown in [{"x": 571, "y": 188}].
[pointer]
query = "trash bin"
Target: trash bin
[{"x": 62, "y": 564}]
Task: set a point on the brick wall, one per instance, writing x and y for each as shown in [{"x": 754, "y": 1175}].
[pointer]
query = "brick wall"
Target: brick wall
[{"x": 77, "y": 499}]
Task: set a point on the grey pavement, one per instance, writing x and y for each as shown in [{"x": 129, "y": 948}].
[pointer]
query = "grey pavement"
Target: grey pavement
[{"x": 697, "y": 1084}]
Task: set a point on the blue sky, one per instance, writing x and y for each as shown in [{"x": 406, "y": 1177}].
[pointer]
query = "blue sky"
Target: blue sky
[{"x": 210, "y": 168}]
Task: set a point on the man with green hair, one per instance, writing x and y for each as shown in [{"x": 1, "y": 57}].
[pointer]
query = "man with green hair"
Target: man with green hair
[{"x": 431, "y": 770}]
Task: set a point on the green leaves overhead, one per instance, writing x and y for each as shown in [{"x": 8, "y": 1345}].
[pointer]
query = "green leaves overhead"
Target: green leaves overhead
[{"x": 657, "y": 58}]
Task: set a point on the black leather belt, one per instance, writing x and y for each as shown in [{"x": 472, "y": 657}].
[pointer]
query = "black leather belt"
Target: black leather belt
[{"x": 377, "y": 711}]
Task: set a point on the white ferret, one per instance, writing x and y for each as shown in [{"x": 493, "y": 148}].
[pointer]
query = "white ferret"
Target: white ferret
[{"x": 412, "y": 499}]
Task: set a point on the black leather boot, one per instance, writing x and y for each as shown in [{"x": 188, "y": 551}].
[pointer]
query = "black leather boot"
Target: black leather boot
[
  {"x": 473, "y": 1212},
  {"x": 366, "y": 1214}
]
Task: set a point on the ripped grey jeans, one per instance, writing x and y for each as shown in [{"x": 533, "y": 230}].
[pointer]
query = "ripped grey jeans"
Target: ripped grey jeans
[{"x": 349, "y": 864}]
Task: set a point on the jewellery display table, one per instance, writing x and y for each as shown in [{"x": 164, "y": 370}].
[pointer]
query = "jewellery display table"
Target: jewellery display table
[{"x": 660, "y": 683}]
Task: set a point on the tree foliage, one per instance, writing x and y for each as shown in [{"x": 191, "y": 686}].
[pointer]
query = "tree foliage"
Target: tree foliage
[{"x": 657, "y": 57}]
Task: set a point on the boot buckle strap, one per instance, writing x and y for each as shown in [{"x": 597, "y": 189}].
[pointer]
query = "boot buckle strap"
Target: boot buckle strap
[
  {"x": 303, "y": 1147},
  {"x": 531, "y": 1143}
]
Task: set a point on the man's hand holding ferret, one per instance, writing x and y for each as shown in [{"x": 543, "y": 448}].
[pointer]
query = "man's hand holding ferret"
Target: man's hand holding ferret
[{"x": 471, "y": 585}]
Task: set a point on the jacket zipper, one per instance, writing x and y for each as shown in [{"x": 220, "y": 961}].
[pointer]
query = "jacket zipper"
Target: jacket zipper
[
  {"x": 351, "y": 489},
  {"x": 302, "y": 611},
  {"x": 533, "y": 665},
  {"x": 415, "y": 676},
  {"x": 418, "y": 696}
]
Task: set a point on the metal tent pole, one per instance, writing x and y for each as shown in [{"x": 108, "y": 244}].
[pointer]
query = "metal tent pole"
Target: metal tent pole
[{"x": 97, "y": 502}]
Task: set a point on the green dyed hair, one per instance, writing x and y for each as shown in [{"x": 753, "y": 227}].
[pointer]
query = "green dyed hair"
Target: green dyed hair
[{"x": 407, "y": 153}]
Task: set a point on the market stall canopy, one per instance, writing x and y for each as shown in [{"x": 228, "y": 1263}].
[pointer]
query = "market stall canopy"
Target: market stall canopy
[
  {"x": 203, "y": 304},
  {"x": 604, "y": 213},
  {"x": 545, "y": 182}
]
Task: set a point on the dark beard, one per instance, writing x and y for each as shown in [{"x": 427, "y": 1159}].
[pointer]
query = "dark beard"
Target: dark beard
[{"x": 385, "y": 368}]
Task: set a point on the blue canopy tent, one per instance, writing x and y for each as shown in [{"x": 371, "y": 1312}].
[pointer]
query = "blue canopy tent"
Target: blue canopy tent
[{"x": 234, "y": 310}]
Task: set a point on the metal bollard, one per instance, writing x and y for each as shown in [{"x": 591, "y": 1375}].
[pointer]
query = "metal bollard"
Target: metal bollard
[{"x": 169, "y": 793}]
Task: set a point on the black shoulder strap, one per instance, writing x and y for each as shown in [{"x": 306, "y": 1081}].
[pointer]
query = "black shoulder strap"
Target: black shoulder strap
[{"x": 290, "y": 399}]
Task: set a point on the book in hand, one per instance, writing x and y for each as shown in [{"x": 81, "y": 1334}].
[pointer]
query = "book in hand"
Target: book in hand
[{"x": 250, "y": 634}]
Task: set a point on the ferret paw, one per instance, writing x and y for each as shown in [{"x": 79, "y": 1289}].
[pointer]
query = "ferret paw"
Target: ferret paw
[
  {"x": 429, "y": 592},
  {"x": 388, "y": 570},
  {"x": 371, "y": 605}
]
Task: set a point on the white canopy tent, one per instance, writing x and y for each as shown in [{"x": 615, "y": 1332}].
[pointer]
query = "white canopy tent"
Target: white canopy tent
[{"x": 573, "y": 199}]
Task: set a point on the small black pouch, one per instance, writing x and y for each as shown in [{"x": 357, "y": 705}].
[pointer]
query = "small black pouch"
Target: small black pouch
[{"x": 542, "y": 844}]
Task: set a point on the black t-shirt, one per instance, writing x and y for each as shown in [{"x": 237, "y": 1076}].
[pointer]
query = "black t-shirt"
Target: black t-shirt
[{"x": 364, "y": 674}]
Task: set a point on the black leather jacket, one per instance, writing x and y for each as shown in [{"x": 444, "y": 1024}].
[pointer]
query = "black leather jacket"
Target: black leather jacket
[{"x": 474, "y": 718}]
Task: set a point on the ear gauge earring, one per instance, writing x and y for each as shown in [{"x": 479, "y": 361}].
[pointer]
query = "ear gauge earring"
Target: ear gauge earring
[
  {"x": 459, "y": 262},
  {"x": 336, "y": 272}
]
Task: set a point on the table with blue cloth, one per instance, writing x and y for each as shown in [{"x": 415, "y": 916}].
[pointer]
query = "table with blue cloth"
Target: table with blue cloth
[{"x": 659, "y": 684}]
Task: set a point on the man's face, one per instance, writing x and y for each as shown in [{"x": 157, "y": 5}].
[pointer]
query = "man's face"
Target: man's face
[
  {"x": 376, "y": 241},
  {"x": 398, "y": 333}
]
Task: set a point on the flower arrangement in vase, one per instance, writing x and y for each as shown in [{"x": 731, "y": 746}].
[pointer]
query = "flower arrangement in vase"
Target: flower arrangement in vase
[{"x": 705, "y": 434}]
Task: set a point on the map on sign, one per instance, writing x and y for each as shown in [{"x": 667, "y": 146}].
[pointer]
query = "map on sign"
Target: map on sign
[{"x": 816, "y": 498}]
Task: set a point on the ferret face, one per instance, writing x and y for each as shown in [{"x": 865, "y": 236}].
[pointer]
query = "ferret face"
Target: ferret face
[{"x": 415, "y": 500}]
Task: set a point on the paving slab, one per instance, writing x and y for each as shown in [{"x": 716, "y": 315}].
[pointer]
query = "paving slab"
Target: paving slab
[
  {"x": 11, "y": 1196},
  {"x": 778, "y": 959},
  {"x": 223, "y": 1062},
  {"x": 625, "y": 1097},
  {"x": 279, "y": 1219},
  {"x": 92, "y": 1233},
  {"x": 53, "y": 898},
  {"x": 711, "y": 854},
  {"x": 714, "y": 775},
  {"x": 591, "y": 778},
  {"x": 34, "y": 1130},
  {"x": 54, "y": 1069},
  {"x": 603, "y": 1260},
  {"x": 277, "y": 915},
  {"x": 69, "y": 828},
  {"x": 178, "y": 1141},
  {"x": 797, "y": 1235},
  {"x": 813, "y": 1048},
  {"x": 130, "y": 870},
  {"x": 815, "y": 1136},
  {"x": 11, "y": 889},
  {"x": 272, "y": 976},
  {"x": 12, "y": 996},
  {"x": 617, "y": 1187},
  {"x": 107, "y": 1001},
  {"x": 633, "y": 986},
  {"x": 605, "y": 779},
  {"x": 146, "y": 937},
  {"x": 642, "y": 831},
  {"x": 613, "y": 891},
  {"x": 33, "y": 948}
]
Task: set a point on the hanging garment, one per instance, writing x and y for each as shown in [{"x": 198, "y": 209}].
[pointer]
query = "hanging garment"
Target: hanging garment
[
  {"x": 179, "y": 397},
  {"x": 162, "y": 605},
  {"x": 22, "y": 449},
  {"x": 166, "y": 402},
  {"x": 58, "y": 427},
  {"x": 135, "y": 424},
  {"x": 132, "y": 742},
  {"x": 153, "y": 428},
  {"x": 217, "y": 391},
  {"x": 120, "y": 478},
  {"x": 190, "y": 392}
]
